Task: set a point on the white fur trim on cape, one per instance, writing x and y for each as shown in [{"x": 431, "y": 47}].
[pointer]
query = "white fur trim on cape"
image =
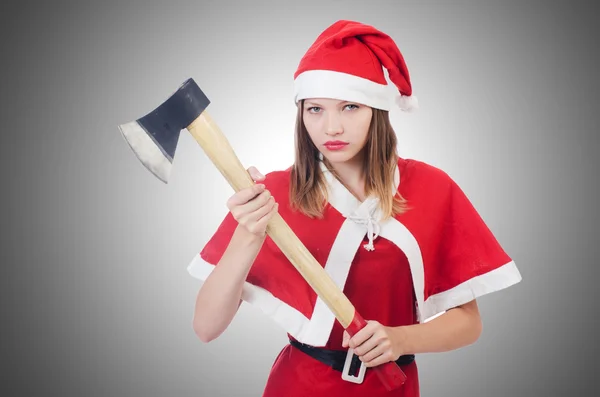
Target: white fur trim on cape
[{"x": 495, "y": 280}]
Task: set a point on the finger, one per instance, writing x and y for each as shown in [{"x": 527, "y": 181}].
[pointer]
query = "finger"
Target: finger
[
  {"x": 246, "y": 199},
  {"x": 256, "y": 208},
  {"x": 381, "y": 359},
  {"x": 374, "y": 352},
  {"x": 345, "y": 339},
  {"x": 367, "y": 345},
  {"x": 361, "y": 336},
  {"x": 260, "y": 213},
  {"x": 265, "y": 219},
  {"x": 255, "y": 174},
  {"x": 261, "y": 224},
  {"x": 244, "y": 195}
]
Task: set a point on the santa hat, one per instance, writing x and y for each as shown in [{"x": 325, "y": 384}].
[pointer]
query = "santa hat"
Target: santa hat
[{"x": 346, "y": 62}]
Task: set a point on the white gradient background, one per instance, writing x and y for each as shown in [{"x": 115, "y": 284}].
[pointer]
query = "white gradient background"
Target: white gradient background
[{"x": 96, "y": 300}]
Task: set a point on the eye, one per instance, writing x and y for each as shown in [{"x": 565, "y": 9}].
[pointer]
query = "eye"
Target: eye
[
  {"x": 313, "y": 109},
  {"x": 352, "y": 106}
]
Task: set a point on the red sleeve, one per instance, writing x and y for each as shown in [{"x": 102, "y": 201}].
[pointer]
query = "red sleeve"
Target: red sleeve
[
  {"x": 215, "y": 247},
  {"x": 469, "y": 262},
  {"x": 272, "y": 283}
]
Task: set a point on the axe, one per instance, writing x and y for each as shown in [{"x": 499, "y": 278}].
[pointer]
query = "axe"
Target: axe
[{"x": 153, "y": 138}]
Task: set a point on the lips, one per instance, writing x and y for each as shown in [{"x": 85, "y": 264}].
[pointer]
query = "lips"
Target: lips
[{"x": 335, "y": 145}]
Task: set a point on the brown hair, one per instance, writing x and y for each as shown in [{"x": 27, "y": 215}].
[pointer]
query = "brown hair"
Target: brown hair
[{"x": 308, "y": 192}]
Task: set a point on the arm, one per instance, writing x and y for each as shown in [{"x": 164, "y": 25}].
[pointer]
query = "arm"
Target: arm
[
  {"x": 219, "y": 297},
  {"x": 458, "y": 327},
  {"x": 377, "y": 344}
]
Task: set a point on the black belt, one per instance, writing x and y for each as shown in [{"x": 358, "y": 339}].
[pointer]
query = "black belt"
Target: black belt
[{"x": 336, "y": 358}]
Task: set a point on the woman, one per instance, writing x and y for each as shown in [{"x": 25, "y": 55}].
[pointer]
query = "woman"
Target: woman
[{"x": 397, "y": 235}]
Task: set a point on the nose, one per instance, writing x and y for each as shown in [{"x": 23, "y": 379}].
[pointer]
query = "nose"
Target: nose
[{"x": 334, "y": 124}]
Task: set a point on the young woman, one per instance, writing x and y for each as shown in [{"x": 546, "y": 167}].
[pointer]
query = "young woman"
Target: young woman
[{"x": 398, "y": 236}]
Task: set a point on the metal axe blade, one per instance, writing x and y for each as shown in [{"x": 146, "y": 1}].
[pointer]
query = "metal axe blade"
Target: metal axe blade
[{"x": 154, "y": 137}]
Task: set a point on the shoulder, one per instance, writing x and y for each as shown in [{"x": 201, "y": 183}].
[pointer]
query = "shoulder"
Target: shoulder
[{"x": 420, "y": 174}]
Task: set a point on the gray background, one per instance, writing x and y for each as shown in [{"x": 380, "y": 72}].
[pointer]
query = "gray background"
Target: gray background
[{"x": 96, "y": 299}]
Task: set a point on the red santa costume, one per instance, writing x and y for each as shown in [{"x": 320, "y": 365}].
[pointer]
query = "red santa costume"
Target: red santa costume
[{"x": 402, "y": 271}]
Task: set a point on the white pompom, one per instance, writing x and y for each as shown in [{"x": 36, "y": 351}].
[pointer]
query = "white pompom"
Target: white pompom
[{"x": 407, "y": 103}]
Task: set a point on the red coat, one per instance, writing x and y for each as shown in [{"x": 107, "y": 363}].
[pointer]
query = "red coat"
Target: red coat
[{"x": 438, "y": 255}]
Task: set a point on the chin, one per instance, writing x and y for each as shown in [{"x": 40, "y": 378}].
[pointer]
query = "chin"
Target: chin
[{"x": 339, "y": 157}]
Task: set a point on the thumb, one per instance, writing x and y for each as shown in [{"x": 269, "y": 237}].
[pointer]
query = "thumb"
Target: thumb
[
  {"x": 255, "y": 174},
  {"x": 346, "y": 339}
]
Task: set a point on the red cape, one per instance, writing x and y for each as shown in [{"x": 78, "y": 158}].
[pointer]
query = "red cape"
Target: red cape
[{"x": 452, "y": 255}]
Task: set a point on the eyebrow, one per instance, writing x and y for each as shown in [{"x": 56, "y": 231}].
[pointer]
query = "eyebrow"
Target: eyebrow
[{"x": 307, "y": 103}]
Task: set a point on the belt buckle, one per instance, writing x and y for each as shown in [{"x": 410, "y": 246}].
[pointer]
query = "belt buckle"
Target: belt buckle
[{"x": 346, "y": 371}]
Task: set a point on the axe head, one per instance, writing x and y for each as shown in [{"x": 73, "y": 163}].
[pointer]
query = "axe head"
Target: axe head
[{"x": 153, "y": 138}]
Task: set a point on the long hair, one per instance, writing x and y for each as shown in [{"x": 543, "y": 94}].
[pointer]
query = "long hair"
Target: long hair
[{"x": 308, "y": 189}]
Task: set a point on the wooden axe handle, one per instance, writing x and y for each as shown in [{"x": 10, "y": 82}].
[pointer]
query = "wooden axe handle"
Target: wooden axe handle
[{"x": 206, "y": 132}]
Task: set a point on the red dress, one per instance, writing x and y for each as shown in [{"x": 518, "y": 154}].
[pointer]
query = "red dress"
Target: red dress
[{"x": 438, "y": 255}]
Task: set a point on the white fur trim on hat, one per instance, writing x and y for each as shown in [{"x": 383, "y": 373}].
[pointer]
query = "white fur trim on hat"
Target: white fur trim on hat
[
  {"x": 341, "y": 86},
  {"x": 407, "y": 103}
]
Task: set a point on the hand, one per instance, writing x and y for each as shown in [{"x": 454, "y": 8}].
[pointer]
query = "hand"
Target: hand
[
  {"x": 375, "y": 344},
  {"x": 254, "y": 206}
]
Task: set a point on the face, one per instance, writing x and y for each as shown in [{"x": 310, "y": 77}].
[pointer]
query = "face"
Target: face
[{"x": 339, "y": 129}]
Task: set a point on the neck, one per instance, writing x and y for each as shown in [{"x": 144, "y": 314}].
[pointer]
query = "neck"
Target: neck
[{"x": 351, "y": 175}]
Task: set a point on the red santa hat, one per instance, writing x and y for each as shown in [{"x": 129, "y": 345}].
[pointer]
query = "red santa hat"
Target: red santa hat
[{"x": 346, "y": 62}]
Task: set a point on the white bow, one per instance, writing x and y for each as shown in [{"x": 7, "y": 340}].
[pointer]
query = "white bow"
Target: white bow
[{"x": 364, "y": 216}]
